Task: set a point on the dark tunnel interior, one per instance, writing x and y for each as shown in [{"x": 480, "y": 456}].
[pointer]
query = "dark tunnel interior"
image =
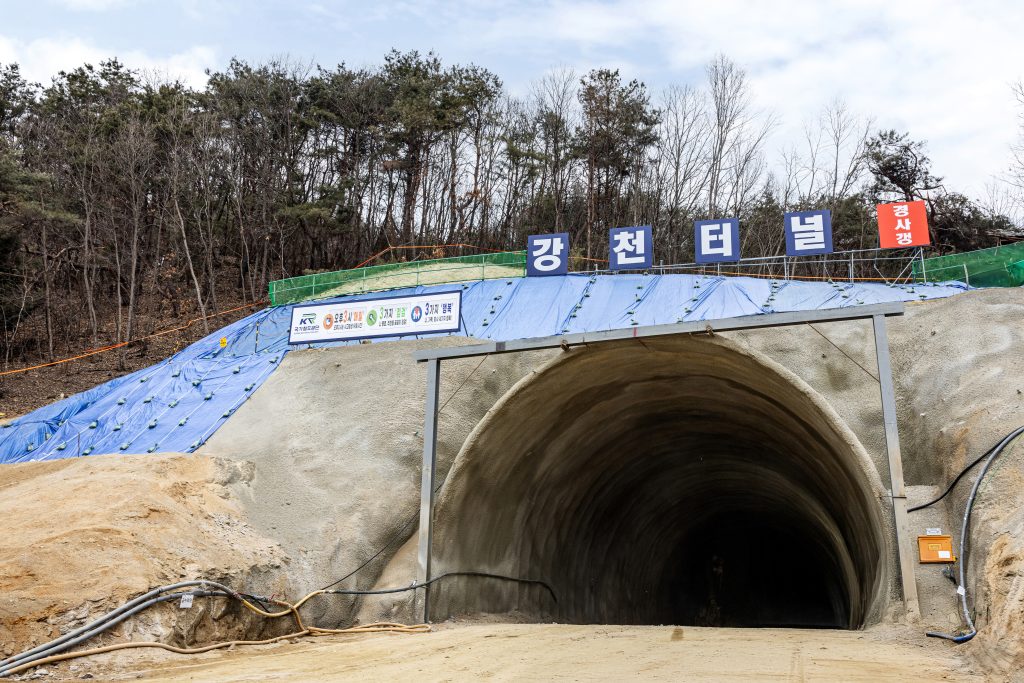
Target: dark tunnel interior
[
  {"x": 740, "y": 571},
  {"x": 683, "y": 482}
]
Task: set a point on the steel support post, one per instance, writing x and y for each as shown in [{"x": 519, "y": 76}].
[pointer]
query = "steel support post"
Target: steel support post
[
  {"x": 904, "y": 547},
  {"x": 877, "y": 312},
  {"x": 426, "y": 534}
]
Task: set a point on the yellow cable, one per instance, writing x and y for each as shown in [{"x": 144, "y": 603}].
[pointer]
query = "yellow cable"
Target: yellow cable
[
  {"x": 373, "y": 628},
  {"x": 382, "y": 627},
  {"x": 284, "y": 613},
  {"x": 293, "y": 610},
  {"x": 163, "y": 646}
]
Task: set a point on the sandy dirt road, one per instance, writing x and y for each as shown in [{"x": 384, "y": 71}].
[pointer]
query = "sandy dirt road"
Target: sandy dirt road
[{"x": 542, "y": 652}]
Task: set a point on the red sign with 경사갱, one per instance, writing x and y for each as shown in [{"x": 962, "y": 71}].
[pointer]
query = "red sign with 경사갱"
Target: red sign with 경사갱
[{"x": 903, "y": 224}]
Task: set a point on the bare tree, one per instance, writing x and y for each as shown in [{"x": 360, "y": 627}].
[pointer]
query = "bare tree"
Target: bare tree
[
  {"x": 555, "y": 102},
  {"x": 1016, "y": 173},
  {"x": 683, "y": 154},
  {"x": 729, "y": 117}
]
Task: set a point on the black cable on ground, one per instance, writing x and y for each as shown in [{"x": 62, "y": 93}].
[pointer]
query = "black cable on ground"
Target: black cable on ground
[
  {"x": 113, "y": 618},
  {"x": 398, "y": 535},
  {"x": 964, "y": 536},
  {"x": 953, "y": 483},
  {"x": 486, "y": 575}
]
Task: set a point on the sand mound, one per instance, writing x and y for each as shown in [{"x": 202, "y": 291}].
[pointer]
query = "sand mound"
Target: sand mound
[{"x": 83, "y": 535}]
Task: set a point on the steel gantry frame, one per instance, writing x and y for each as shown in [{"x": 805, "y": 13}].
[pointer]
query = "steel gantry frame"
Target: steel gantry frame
[{"x": 877, "y": 313}]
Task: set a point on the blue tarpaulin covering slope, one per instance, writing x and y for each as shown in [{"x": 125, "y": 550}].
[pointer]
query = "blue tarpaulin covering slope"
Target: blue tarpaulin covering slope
[{"x": 176, "y": 405}]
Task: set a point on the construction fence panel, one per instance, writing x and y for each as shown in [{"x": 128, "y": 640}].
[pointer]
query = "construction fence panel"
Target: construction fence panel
[
  {"x": 1001, "y": 266},
  {"x": 397, "y": 275}
]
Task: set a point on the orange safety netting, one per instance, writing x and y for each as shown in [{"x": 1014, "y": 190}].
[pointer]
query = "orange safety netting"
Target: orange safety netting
[
  {"x": 426, "y": 246},
  {"x": 111, "y": 347}
]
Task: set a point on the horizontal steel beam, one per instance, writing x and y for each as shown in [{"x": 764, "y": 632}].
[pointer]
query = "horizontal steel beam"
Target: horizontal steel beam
[{"x": 746, "y": 322}]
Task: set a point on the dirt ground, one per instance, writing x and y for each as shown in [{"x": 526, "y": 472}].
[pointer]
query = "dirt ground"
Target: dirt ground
[{"x": 544, "y": 652}]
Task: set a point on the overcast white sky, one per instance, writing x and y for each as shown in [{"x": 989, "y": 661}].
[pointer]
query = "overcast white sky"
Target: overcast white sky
[{"x": 940, "y": 70}]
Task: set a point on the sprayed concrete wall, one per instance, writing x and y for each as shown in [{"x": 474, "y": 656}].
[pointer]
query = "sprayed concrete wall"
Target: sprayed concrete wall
[
  {"x": 335, "y": 439},
  {"x": 677, "y": 481}
]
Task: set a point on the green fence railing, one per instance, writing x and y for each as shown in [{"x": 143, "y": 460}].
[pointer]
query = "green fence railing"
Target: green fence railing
[
  {"x": 1001, "y": 266},
  {"x": 397, "y": 275}
]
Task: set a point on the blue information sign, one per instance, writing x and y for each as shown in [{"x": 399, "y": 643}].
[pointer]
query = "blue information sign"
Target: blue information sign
[
  {"x": 808, "y": 232},
  {"x": 630, "y": 248},
  {"x": 547, "y": 254},
  {"x": 717, "y": 241}
]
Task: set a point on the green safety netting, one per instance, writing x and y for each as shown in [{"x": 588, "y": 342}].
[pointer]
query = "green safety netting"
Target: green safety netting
[
  {"x": 397, "y": 275},
  {"x": 1001, "y": 266}
]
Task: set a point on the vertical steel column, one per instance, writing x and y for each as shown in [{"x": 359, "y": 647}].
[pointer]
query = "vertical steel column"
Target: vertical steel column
[
  {"x": 904, "y": 548},
  {"x": 426, "y": 537}
]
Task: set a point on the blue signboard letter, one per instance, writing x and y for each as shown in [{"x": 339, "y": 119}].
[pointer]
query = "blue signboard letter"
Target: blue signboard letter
[
  {"x": 630, "y": 248},
  {"x": 808, "y": 232},
  {"x": 717, "y": 241},
  {"x": 547, "y": 254}
]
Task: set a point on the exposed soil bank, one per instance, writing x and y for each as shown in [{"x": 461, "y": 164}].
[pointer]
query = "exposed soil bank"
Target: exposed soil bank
[{"x": 83, "y": 535}]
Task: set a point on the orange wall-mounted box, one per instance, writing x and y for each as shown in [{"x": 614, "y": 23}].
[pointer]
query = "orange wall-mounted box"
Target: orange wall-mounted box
[{"x": 935, "y": 549}]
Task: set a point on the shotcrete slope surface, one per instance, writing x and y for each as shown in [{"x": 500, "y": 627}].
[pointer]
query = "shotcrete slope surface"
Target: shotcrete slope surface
[{"x": 335, "y": 436}]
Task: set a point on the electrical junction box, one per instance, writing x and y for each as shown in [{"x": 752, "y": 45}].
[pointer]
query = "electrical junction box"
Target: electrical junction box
[{"x": 935, "y": 549}]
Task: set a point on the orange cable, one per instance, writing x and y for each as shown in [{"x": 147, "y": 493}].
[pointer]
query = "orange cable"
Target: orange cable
[
  {"x": 804, "y": 277},
  {"x": 111, "y": 347},
  {"x": 426, "y": 246},
  {"x": 377, "y": 255}
]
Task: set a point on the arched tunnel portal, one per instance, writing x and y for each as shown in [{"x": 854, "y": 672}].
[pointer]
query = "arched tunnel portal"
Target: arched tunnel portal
[{"x": 674, "y": 481}]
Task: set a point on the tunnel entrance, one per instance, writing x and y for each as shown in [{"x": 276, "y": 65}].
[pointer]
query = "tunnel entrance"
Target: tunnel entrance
[{"x": 681, "y": 481}]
